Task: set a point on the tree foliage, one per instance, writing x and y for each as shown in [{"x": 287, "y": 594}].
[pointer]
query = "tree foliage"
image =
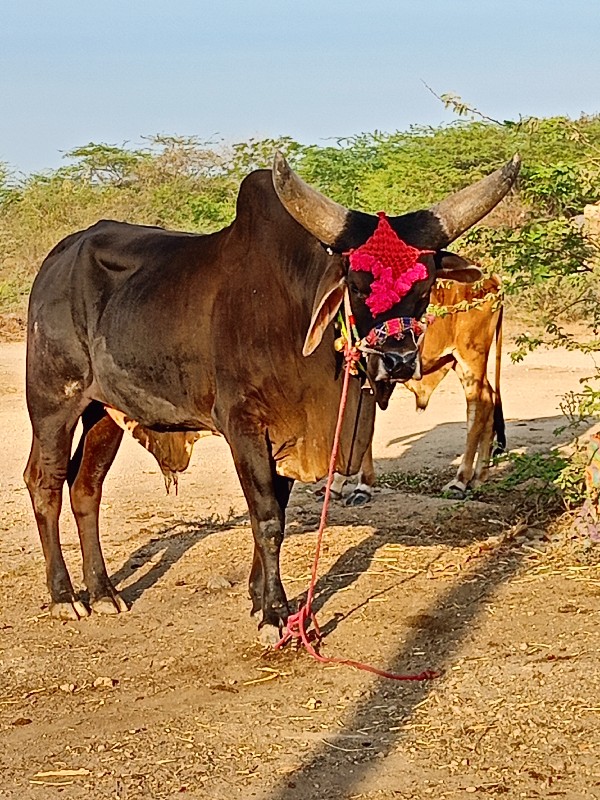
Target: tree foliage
[{"x": 187, "y": 183}]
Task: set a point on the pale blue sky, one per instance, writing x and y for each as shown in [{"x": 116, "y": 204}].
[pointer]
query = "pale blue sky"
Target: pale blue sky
[{"x": 74, "y": 71}]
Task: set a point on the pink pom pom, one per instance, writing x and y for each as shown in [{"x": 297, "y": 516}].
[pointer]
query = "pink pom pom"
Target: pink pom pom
[{"x": 393, "y": 264}]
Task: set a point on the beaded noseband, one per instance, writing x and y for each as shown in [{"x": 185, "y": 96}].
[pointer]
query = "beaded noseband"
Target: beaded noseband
[{"x": 394, "y": 328}]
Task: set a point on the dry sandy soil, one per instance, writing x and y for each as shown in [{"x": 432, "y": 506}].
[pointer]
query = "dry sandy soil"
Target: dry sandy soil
[{"x": 177, "y": 699}]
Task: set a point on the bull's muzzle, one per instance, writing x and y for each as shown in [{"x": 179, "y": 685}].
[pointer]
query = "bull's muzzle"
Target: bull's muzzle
[{"x": 400, "y": 367}]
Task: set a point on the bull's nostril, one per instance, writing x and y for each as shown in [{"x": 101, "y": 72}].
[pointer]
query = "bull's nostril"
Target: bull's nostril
[{"x": 392, "y": 361}]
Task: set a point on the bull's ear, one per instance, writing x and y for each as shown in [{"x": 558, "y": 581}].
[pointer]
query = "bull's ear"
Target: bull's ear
[
  {"x": 455, "y": 268},
  {"x": 328, "y": 299}
]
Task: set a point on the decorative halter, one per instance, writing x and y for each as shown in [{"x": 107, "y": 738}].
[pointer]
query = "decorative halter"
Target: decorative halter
[
  {"x": 393, "y": 264},
  {"x": 394, "y": 329}
]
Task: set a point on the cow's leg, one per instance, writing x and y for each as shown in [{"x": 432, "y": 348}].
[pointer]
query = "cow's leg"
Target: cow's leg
[
  {"x": 363, "y": 491},
  {"x": 478, "y": 393},
  {"x": 266, "y": 494},
  {"x": 486, "y": 441},
  {"x": 256, "y": 587},
  {"x": 45, "y": 475},
  {"x": 90, "y": 464},
  {"x": 362, "y": 446},
  {"x": 337, "y": 486}
]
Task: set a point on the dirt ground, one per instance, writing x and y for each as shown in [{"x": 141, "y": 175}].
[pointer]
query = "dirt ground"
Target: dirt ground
[{"x": 176, "y": 698}]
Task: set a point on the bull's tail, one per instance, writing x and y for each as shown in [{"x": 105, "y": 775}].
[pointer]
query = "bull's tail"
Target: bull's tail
[{"x": 499, "y": 426}]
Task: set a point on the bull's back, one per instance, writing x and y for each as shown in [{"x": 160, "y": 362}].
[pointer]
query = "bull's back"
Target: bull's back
[{"x": 83, "y": 271}]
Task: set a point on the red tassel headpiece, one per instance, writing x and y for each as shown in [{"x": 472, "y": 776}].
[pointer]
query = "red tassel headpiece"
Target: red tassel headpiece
[{"x": 393, "y": 264}]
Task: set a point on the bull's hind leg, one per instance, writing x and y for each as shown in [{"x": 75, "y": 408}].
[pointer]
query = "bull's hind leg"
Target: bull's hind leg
[
  {"x": 484, "y": 448},
  {"x": 88, "y": 468},
  {"x": 45, "y": 475}
]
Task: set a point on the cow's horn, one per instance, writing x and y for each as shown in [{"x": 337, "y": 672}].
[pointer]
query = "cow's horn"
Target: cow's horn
[
  {"x": 322, "y": 217},
  {"x": 463, "y": 209}
]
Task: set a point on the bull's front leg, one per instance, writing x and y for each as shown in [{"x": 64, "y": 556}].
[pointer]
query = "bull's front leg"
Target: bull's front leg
[{"x": 266, "y": 494}]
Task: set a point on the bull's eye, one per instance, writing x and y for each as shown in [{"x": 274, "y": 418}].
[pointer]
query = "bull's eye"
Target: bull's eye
[{"x": 356, "y": 291}]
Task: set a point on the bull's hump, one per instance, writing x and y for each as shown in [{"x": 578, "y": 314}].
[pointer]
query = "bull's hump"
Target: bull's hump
[{"x": 257, "y": 197}]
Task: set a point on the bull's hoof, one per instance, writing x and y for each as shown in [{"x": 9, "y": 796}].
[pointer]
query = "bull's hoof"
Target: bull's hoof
[
  {"x": 333, "y": 494},
  {"x": 358, "y": 497},
  {"x": 456, "y": 489},
  {"x": 109, "y": 605},
  {"x": 269, "y": 635},
  {"x": 68, "y": 611}
]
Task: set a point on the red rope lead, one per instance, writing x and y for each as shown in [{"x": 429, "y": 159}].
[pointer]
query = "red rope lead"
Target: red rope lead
[{"x": 298, "y": 623}]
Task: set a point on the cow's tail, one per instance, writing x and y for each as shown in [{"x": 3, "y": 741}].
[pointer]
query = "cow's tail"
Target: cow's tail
[{"x": 499, "y": 426}]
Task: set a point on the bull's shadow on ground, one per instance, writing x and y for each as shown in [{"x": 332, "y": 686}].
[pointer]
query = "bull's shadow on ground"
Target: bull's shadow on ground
[
  {"x": 173, "y": 542},
  {"x": 346, "y": 757},
  {"x": 168, "y": 546}
]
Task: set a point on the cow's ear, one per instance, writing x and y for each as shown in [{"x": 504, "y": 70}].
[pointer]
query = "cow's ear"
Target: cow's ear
[
  {"x": 455, "y": 268},
  {"x": 328, "y": 299}
]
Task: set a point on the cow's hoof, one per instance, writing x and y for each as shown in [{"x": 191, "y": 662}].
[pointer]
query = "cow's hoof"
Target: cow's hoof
[
  {"x": 74, "y": 610},
  {"x": 269, "y": 635},
  {"x": 333, "y": 494},
  {"x": 358, "y": 497},
  {"x": 456, "y": 489},
  {"x": 110, "y": 605}
]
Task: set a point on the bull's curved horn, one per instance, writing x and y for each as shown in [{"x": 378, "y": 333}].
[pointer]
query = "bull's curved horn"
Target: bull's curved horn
[
  {"x": 461, "y": 210},
  {"x": 319, "y": 215}
]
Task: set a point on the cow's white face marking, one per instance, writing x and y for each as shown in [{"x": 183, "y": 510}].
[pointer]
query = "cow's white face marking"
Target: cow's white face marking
[{"x": 72, "y": 388}]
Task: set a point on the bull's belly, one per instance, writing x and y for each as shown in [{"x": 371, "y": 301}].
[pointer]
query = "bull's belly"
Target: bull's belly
[{"x": 151, "y": 409}]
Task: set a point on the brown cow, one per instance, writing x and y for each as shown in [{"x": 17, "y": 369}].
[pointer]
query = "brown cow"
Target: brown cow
[{"x": 461, "y": 340}]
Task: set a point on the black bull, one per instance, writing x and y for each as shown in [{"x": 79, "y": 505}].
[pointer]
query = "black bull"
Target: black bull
[{"x": 229, "y": 332}]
